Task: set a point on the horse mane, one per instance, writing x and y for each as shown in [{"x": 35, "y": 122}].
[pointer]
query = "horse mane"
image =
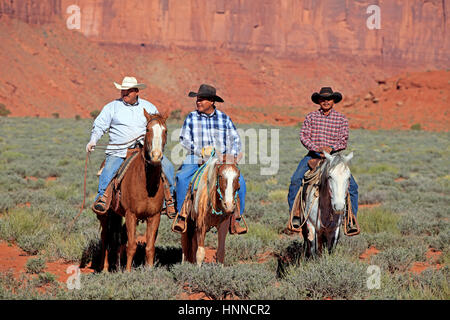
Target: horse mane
[
  {"x": 207, "y": 183},
  {"x": 157, "y": 116},
  {"x": 337, "y": 159}
]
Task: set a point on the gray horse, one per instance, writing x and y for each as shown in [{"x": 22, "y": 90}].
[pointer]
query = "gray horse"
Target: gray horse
[{"x": 326, "y": 207}]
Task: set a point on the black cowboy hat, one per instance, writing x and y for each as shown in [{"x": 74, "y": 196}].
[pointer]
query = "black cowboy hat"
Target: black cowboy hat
[
  {"x": 207, "y": 92},
  {"x": 327, "y": 94}
]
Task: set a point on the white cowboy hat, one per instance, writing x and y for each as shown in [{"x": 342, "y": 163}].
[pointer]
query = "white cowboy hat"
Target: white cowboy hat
[{"x": 128, "y": 83}]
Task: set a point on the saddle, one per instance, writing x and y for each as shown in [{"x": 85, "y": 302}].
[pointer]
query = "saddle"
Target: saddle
[
  {"x": 112, "y": 192},
  {"x": 189, "y": 202},
  {"x": 310, "y": 183}
]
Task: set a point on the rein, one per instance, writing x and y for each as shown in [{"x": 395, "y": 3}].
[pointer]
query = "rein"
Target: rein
[{"x": 85, "y": 176}]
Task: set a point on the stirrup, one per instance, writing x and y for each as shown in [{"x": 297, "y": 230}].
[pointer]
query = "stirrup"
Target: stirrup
[
  {"x": 233, "y": 230},
  {"x": 100, "y": 207},
  {"x": 177, "y": 224},
  {"x": 170, "y": 211}
]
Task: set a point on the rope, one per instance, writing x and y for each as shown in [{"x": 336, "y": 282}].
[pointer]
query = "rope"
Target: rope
[
  {"x": 85, "y": 176},
  {"x": 84, "y": 196},
  {"x": 311, "y": 179}
]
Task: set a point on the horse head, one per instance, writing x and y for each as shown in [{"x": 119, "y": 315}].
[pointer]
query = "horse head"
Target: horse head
[
  {"x": 227, "y": 182},
  {"x": 337, "y": 174},
  {"x": 155, "y": 137}
]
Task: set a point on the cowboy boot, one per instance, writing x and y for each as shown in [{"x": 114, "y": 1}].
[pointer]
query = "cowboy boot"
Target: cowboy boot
[
  {"x": 101, "y": 206},
  {"x": 179, "y": 225},
  {"x": 169, "y": 208},
  {"x": 237, "y": 228},
  {"x": 350, "y": 219}
]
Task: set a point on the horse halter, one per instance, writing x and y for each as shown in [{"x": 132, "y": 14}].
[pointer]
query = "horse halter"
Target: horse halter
[
  {"x": 147, "y": 130},
  {"x": 220, "y": 193}
]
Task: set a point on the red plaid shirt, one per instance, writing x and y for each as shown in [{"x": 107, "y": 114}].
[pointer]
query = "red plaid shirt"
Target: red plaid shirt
[{"x": 320, "y": 131}]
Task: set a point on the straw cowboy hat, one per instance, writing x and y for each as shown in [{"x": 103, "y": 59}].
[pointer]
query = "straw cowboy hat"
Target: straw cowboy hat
[
  {"x": 128, "y": 83},
  {"x": 206, "y": 91},
  {"x": 326, "y": 93}
]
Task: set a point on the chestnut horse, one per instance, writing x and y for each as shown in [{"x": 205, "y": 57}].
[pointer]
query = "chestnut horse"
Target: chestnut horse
[
  {"x": 215, "y": 201},
  {"x": 141, "y": 196},
  {"x": 325, "y": 212}
]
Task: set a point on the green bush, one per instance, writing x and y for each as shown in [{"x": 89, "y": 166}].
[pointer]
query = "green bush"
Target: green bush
[
  {"x": 3, "y": 110},
  {"x": 35, "y": 265},
  {"x": 377, "y": 220},
  {"x": 94, "y": 114}
]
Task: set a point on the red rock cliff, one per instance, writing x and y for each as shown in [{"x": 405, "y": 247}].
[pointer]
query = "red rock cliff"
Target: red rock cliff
[{"x": 413, "y": 30}]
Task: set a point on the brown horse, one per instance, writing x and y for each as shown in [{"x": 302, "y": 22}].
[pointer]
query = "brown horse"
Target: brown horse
[
  {"x": 214, "y": 204},
  {"x": 141, "y": 198}
]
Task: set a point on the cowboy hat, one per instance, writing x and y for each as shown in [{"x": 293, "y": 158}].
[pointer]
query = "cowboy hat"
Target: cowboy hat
[
  {"x": 128, "y": 83},
  {"x": 206, "y": 91},
  {"x": 327, "y": 94}
]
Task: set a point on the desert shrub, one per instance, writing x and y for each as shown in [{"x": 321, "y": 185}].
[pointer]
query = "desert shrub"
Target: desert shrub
[
  {"x": 3, "y": 110},
  {"x": 351, "y": 247},
  {"x": 141, "y": 283},
  {"x": 243, "y": 249},
  {"x": 77, "y": 117},
  {"x": 46, "y": 277},
  {"x": 397, "y": 259},
  {"x": 219, "y": 282},
  {"x": 55, "y": 115},
  {"x": 31, "y": 229},
  {"x": 35, "y": 265},
  {"x": 377, "y": 220},
  {"x": 328, "y": 276},
  {"x": 94, "y": 114},
  {"x": 416, "y": 126},
  {"x": 175, "y": 115},
  {"x": 22, "y": 289}
]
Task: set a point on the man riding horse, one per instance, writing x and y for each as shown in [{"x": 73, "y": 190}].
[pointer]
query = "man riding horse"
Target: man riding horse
[
  {"x": 205, "y": 129},
  {"x": 323, "y": 130},
  {"x": 125, "y": 120}
]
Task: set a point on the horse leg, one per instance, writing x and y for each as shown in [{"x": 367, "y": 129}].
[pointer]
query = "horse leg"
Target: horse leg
[
  {"x": 151, "y": 234},
  {"x": 130, "y": 220},
  {"x": 103, "y": 261},
  {"x": 222, "y": 234},
  {"x": 200, "y": 246}
]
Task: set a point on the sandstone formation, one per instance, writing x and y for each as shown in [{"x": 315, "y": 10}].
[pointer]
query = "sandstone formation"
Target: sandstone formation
[{"x": 413, "y": 30}]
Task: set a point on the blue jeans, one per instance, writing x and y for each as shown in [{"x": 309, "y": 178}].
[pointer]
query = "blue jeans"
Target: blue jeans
[
  {"x": 112, "y": 164},
  {"x": 185, "y": 174},
  {"x": 297, "y": 179}
]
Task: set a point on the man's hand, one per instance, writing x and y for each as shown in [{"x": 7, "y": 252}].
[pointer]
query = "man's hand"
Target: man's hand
[
  {"x": 90, "y": 146},
  {"x": 206, "y": 151},
  {"x": 327, "y": 149}
]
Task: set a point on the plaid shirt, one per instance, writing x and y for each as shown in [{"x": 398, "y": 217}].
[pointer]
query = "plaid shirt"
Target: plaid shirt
[
  {"x": 320, "y": 131},
  {"x": 201, "y": 130}
]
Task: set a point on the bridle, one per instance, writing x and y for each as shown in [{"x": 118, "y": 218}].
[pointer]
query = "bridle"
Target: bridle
[
  {"x": 214, "y": 211},
  {"x": 143, "y": 153}
]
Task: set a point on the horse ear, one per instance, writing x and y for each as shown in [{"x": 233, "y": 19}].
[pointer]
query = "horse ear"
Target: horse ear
[
  {"x": 165, "y": 116},
  {"x": 238, "y": 157},
  {"x": 348, "y": 157},
  {"x": 328, "y": 156},
  {"x": 147, "y": 116}
]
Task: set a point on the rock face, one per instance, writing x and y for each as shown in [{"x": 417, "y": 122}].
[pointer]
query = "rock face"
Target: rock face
[
  {"x": 413, "y": 30},
  {"x": 31, "y": 11}
]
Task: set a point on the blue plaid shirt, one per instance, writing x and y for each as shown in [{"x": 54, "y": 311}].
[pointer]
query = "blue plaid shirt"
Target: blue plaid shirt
[{"x": 217, "y": 130}]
